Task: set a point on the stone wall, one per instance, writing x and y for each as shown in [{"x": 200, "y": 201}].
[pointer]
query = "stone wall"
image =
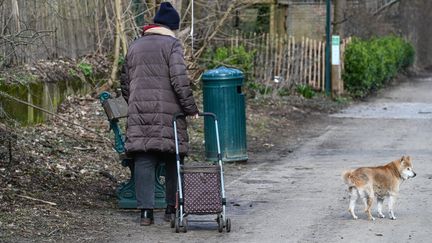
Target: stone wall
[
  {"x": 415, "y": 26},
  {"x": 306, "y": 20},
  {"x": 363, "y": 23},
  {"x": 407, "y": 18}
]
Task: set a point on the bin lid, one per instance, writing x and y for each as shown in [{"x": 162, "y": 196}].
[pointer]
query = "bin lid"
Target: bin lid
[{"x": 222, "y": 73}]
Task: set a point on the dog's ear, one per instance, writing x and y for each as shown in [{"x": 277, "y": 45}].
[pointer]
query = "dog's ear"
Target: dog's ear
[{"x": 402, "y": 160}]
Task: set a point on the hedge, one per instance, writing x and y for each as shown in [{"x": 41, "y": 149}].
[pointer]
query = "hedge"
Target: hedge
[{"x": 371, "y": 63}]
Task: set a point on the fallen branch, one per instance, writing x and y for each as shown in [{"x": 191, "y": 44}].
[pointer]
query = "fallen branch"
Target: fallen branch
[
  {"x": 84, "y": 149},
  {"x": 38, "y": 200},
  {"x": 108, "y": 175},
  {"x": 52, "y": 232}
]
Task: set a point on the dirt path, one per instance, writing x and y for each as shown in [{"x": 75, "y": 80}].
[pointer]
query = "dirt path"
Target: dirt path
[
  {"x": 289, "y": 191},
  {"x": 77, "y": 172},
  {"x": 301, "y": 198}
]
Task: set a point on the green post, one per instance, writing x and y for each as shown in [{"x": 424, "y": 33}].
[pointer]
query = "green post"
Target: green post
[{"x": 327, "y": 49}]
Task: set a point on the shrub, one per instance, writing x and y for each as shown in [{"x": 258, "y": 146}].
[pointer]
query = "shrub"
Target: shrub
[
  {"x": 357, "y": 59},
  {"x": 86, "y": 69},
  {"x": 237, "y": 57},
  {"x": 305, "y": 91},
  {"x": 409, "y": 54},
  {"x": 371, "y": 63}
]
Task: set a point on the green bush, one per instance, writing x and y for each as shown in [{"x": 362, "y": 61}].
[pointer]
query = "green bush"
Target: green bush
[
  {"x": 409, "y": 54},
  {"x": 255, "y": 88},
  {"x": 86, "y": 69},
  {"x": 371, "y": 63},
  {"x": 237, "y": 57},
  {"x": 306, "y": 91}
]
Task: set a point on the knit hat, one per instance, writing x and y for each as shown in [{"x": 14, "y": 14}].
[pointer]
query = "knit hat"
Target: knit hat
[{"x": 168, "y": 16}]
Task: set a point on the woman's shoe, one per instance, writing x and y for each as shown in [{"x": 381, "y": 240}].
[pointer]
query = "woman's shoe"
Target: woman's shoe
[{"x": 146, "y": 217}]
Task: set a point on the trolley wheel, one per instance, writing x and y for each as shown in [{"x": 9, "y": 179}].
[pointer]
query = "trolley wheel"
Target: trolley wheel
[
  {"x": 220, "y": 223},
  {"x": 228, "y": 225},
  {"x": 185, "y": 225}
]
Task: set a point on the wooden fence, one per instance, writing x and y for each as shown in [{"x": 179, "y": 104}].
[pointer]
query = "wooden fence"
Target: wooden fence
[
  {"x": 285, "y": 61},
  {"x": 33, "y": 30}
]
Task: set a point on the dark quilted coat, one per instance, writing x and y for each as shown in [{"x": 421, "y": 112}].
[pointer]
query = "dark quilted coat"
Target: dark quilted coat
[{"x": 155, "y": 84}]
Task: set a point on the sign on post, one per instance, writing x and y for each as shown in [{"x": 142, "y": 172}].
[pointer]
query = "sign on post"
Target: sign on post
[
  {"x": 335, "y": 52},
  {"x": 336, "y": 81}
]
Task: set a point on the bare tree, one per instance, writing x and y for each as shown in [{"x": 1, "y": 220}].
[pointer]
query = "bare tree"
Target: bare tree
[
  {"x": 15, "y": 15},
  {"x": 339, "y": 16},
  {"x": 117, "y": 7},
  {"x": 32, "y": 30}
]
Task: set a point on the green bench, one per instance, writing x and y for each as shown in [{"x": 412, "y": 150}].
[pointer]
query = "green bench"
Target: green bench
[{"x": 116, "y": 109}]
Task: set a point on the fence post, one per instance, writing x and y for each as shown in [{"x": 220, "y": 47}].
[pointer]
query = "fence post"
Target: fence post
[
  {"x": 301, "y": 62},
  {"x": 280, "y": 40},
  {"x": 302, "y": 47},
  {"x": 305, "y": 61},
  {"x": 319, "y": 61},
  {"x": 314, "y": 62},
  {"x": 236, "y": 38},
  {"x": 267, "y": 64},
  {"x": 310, "y": 49},
  {"x": 293, "y": 59},
  {"x": 275, "y": 40},
  {"x": 289, "y": 57},
  {"x": 285, "y": 57}
]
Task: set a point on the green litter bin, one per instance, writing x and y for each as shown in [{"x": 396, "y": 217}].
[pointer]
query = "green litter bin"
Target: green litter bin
[{"x": 222, "y": 95}]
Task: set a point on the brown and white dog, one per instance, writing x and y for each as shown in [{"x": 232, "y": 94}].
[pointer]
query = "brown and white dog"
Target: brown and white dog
[{"x": 380, "y": 182}]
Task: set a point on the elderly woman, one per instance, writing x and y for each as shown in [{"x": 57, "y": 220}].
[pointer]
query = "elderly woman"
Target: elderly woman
[{"x": 155, "y": 84}]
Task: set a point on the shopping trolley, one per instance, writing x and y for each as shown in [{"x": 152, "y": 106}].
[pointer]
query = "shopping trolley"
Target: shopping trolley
[{"x": 200, "y": 188}]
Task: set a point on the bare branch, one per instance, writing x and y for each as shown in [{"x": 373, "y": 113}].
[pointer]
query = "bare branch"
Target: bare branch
[{"x": 218, "y": 26}]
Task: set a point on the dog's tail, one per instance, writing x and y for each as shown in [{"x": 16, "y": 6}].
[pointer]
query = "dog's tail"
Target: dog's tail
[{"x": 348, "y": 178}]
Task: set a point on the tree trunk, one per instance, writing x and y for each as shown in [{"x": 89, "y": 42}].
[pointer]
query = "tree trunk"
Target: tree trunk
[
  {"x": 122, "y": 29},
  {"x": 117, "y": 11},
  {"x": 339, "y": 16},
  {"x": 15, "y": 15},
  {"x": 273, "y": 20}
]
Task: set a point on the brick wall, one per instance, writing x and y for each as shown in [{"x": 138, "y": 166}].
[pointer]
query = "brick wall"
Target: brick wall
[
  {"x": 307, "y": 19},
  {"x": 415, "y": 26},
  {"x": 407, "y": 18},
  {"x": 362, "y": 22}
]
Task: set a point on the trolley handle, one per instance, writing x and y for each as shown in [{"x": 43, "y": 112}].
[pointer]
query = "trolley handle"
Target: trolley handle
[{"x": 179, "y": 114}]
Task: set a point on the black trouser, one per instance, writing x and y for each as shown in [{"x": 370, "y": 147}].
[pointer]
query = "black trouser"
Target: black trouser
[{"x": 145, "y": 167}]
